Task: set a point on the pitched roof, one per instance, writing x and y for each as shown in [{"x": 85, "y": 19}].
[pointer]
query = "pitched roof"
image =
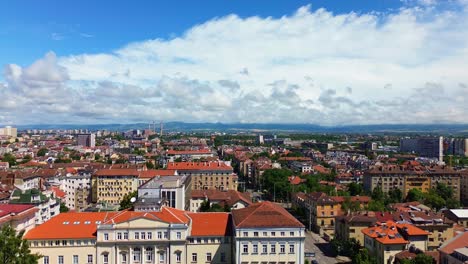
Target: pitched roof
[
  {"x": 264, "y": 214},
  {"x": 215, "y": 165},
  {"x": 7, "y": 209},
  {"x": 69, "y": 226},
  {"x": 385, "y": 233},
  {"x": 210, "y": 224},
  {"x": 58, "y": 193},
  {"x": 84, "y": 224},
  {"x": 459, "y": 241},
  {"x": 153, "y": 173},
  {"x": 230, "y": 197}
]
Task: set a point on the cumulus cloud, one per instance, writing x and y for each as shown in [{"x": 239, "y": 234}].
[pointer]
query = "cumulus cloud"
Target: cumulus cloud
[{"x": 309, "y": 67}]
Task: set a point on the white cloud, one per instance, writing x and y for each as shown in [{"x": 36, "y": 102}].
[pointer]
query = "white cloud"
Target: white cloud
[{"x": 311, "y": 66}]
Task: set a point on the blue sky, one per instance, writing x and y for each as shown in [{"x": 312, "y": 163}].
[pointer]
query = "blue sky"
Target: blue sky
[
  {"x": 329, "y": 62},
  {"x": 31, "y": 28}
]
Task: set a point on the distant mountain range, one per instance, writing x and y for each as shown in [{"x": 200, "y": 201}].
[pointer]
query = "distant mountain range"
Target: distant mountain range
[{"x": 257, "y": 127}]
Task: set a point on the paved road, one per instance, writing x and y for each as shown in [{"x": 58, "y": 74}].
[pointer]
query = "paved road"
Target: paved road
[{"x": 314, "y": 243}]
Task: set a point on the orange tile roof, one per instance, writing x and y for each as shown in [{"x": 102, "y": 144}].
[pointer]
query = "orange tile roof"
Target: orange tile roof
[
  {"x": 63, "y": 226},
  {"x": 58, "y": 193},
  {"x": 412, "y": 230},
  {"x": 230, "y": 197},
  {"x": 210, "y": 224},
  {"x": 219, "y": 165},
  {"x": 264, "y": 214},
  {"x": 385, "y": 233},
  {"x": 153, "y": 173},
  {"x": 459, "y": 241},
  {"x": 117, "y": 172},
  {"x": 84, "y": 225}
]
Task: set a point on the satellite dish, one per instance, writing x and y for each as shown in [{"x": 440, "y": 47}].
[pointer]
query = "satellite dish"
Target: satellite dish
[{"x": 133, "y": 199}]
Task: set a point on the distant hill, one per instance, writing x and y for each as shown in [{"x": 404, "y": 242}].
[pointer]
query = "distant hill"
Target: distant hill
[{"x": 257, "y": 127}]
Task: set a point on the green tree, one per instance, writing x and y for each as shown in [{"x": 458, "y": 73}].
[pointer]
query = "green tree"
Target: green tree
[
  {"x": 444, "y": 191},
  {"x": 414, "y": 195},
  {"x": 423, "y": 259},
  {"x": 377, "y": 194},
  {"x": 42, "y": 152},
  {"x": 26, "y": 159},
  {"x": 63, "y": 208},
  {"x": 10, "y": 158},
  {"x": 97, "y": 156},
  {"x": 149, "y": 165},
  {"x": 355, "y": 189},
  {"x": 126, "y": 200},
  {"x": 350, "y": 205},
  {"x": 364, "y": 257},
  {"x": 14, "y": 249},
  {"x": 375, "y": 205},
  {"x": 394, "y": 196},
  {"x": 277, "y": 184}
]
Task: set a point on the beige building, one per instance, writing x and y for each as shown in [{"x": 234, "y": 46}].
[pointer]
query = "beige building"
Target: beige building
[
  {"x": 464, "y": 188},
  {"x": 168, "y": 236},
  {"x": 9, "y": 131},
  {"x": 412, "y": 176},
  {"x": 389, "y": 238},
  {"x": 110, "y": 186},
  {"x": 267, "y": 233},
  {"x": 207, "y": 175},
  {"x": 351, "y": 226}
]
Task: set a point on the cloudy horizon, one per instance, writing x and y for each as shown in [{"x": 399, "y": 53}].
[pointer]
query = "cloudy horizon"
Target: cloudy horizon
[{"x": 404, "y": 66}]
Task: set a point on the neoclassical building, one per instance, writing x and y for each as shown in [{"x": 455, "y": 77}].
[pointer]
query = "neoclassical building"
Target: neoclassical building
[{"x": 167, "y": 236}]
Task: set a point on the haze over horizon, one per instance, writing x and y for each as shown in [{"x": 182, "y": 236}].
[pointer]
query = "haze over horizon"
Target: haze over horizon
[{"x": 314, "y": 62}]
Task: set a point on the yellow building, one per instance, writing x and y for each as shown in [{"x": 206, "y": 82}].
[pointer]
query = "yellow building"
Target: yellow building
[
  {"x": 412, "y": 176},
  {"x": 389, "y": 238},
  {"x": 110, "y": 186},
  {"x": 350, "y": 226},
  {"x": 322, "y": 210},
  {"x": 207, "y": 175},
  {"x": 169, "y": 236}
]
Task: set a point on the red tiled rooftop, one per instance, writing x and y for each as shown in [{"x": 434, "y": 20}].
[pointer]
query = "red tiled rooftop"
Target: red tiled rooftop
[
  {"x": 209, "y": 224},
  {"x": 215, "y": 165},
  {"x": 264, "y": 214},
  {"x": 6, "y": 209}
]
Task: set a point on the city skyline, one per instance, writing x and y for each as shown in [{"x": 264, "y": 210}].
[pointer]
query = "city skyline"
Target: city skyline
[{"x": 316, "y": 62}]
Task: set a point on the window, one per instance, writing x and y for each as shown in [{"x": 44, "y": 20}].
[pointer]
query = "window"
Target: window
[
  {"x": 149, "y": 254},
  {"x": 46, "y": 260},
  {"x": 150, "y": 235},
  {"x": 264, "y": 249},
  {"x": 291, "y": 248},
  {"x": 137, "y": 235},
  {"x": 223, "y": 257},
  {"x": 255, "y": 249},
  {"x": 105, "y": 258},
  {"x": 60, "y": 259},
  {"x": 72, "y": 242},
  {"x": 124, "y": 258},
  {"x": 125, "y": 235},
  {"x": 246, "y": 233},
  {"x": 165, "y": 234},
  {"x": 136, "y": 254},
  {"x": 179, "y": 235},
  {"x": 273, "y": 233},
  {"x": 208, "y": 257},
  {"x": 161, "y": 257},
  {"x": 283, "y": 234},
  {"x": 143, "y": 235},
  {"x": 119, "y": 236},
  {"x": 159, "y": 235},
  {"x": 245, "y": 248},
  {"x": 255, "y": 234},
  {"x": 282, "y": 249},
  {"x": 90, "y": 259},
  {"x": 273, "y": 248},
  {"x": 75, "y": 259},
  {"x": 178, "y": 256},
  {"x": 106, "y": 236},
  {"x": 194, "y": 257},
  {"x": 291, "y": 233}
]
